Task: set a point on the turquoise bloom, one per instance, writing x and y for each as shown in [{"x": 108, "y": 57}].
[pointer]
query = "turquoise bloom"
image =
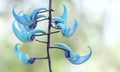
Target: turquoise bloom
[
  {"x": 28, "y": 21},
  {"x": 67, "y": 31},
  {"x": 60, "y": 23},
  {"x": 25, "y": 58},
  {"x": 26, "y": 36},
  {"x": 73, "y": 58},
  {"x": 62, "y": 18}
]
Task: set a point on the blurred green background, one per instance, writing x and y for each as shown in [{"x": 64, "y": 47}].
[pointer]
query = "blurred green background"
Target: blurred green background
[{"x": 99, "y": 28}]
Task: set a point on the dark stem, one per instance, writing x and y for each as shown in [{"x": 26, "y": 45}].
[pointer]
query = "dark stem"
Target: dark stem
[
  {"x": 41, "y": 58},
  {"x": 48, "y": 36},
  {"x": 42, "y": 19},
  {"x": 41, "y": 41},
  {"x": 57, "y": 48},
  {"x": 47, "y": 33},
  {"x": 45, "y": 11}
]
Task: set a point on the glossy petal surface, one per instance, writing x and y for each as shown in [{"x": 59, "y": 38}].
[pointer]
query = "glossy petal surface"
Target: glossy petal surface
[
  {"x": 25, "y": 36},
  {"x": 60, "y": 22},
  {"x": 22, "y": 57},
  {"x": 74, "y": 58},
  {"x": 21, "y": 19},
  {"x": 34, "y": 15},
  {"x": 67, "y": 31},
  {"x": 71, "y": 30},
  {"x": 28, "y": 21}
]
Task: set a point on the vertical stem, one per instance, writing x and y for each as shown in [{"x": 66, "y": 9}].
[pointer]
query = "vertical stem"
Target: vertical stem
[{"x": 48, "y": 36}]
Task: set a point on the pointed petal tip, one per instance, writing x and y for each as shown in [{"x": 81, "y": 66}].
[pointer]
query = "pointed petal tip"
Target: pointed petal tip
[
  {"x": 64, "y": 6},
  {"x": 74, "y": 58},
  {"x": 14, "y": 6},
  {"x": 64, "y": 15},
  {"x": 22, "y": 57},
  {"x": 76, "y": 23},
  {"x": 13, "y": 10},
  {"x": 82, "y": 59},
  {"x": 90, "y": 51}
]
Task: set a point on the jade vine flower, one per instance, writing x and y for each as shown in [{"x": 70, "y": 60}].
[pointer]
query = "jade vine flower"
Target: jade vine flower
[
  {"x": 25, "y": 58},
  {"x": 28, "y": 21},
  {"x": 67, "y": 31},
  {"x": 62, "y": 18},
  {"x": 25, "y": 36},
  {"x": 60, "y": 22},
  {"x": 73, "y": 58}
]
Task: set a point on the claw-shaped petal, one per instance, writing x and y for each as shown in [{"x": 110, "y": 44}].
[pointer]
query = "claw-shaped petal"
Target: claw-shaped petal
[
  {"x": 64, "y": 15},
  {"x": 60, "y": 22},
  {"x": 25, "y": 36},
  {"x": 71, "y": 30},
  {"x": 74, "y": 58},
  {"x": 62, "y": 18},
  {"x": 24, "y": 27},
  {"x": 29, "y": 20},
  {"x": 23, "y": 57},
  {"x": 21, "y": 19},
  {"x": 33, "y": 14},
  {"x": 67, "y": 31},
  {"x": 20, "y": 35}
]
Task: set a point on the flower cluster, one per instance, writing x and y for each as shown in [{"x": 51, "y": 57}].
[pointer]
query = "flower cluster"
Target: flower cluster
[
  {"x": 25, "y": 30},
  {"x": 60, "y": 22}
]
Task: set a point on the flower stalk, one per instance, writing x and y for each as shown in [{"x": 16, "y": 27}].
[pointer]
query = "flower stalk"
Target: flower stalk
[
  {"x": 48, "y": 36},
  {"x": 47, "y": 33}
]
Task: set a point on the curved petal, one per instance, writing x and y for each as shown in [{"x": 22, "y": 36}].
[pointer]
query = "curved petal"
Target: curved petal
[
  {"x": 74, "y": 58},
  {"x": 66, "y": 34},
  {"x": 27, "y": 18},
  {"x": 25, "y": 36},
  {"x": 23, "y": 57},
  {"x": 71, "y": 30},
  {"x": 27, "y": 28},
  {"x": 31, "y": 35},
  {"x": 82, "y": 59},
  {"x": 64, "y": 15},
  {"x": 64, "y": 29},
  {"x": 21, "y": 19},
  {"x": 62, "y": 18},
  {"x": 34, "y": 13},
  {"x": 24, "y": 27},
  {"x": 19, "y": 34},
  {"x": 68, "y": 31}
]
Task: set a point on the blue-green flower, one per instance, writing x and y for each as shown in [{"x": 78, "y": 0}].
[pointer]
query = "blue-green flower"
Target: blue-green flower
[
  {"x": 73, "y": 58},
  {"x": 25, "y": 36},
  {"x": 25, "y": 58},
  {"x": 67, "y": 31},
  {"x": 62, "y": 18},
  {"x": 28, "y": 21},
  {"x": 60, "y": 22}
]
